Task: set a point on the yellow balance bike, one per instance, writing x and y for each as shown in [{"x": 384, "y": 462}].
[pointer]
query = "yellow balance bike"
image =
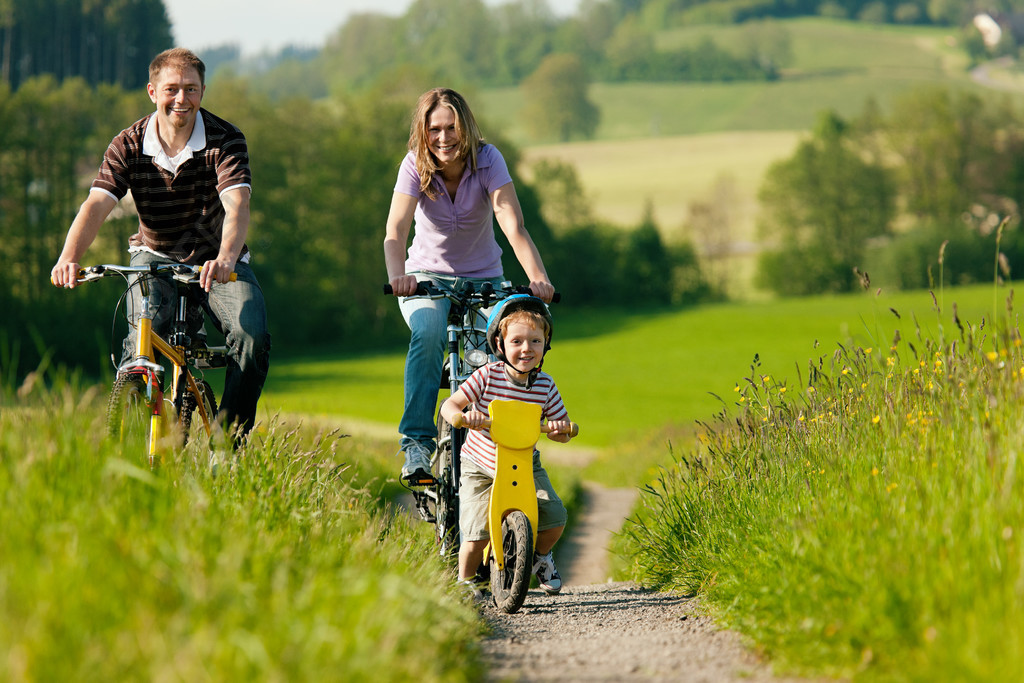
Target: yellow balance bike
[{"x": 512, "y": 513}]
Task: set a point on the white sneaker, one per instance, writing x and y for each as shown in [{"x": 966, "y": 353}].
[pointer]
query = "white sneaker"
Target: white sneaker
[
  {"x": 547, "y": 575},
  {"x": 417, "y": 462},
  {"x": 472, "y": 589}
]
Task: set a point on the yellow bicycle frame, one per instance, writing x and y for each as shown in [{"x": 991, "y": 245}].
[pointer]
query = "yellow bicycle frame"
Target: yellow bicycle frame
[{"x": 515, "y": 428}]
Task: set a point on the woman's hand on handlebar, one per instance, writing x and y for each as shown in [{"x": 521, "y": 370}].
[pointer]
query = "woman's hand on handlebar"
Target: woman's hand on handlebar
[
  {"x": 403, "y": 285},
  {"x": 543, "y": 290}
]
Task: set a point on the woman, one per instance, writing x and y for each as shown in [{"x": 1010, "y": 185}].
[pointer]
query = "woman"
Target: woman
[{"x": 454, "y": 185}]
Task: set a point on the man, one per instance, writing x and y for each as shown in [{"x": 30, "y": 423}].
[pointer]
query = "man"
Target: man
[{"x": 188, "y": 172}]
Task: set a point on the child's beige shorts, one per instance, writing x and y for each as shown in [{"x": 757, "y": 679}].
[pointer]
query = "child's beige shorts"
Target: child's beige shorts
[{"x": 475, "y": 491}]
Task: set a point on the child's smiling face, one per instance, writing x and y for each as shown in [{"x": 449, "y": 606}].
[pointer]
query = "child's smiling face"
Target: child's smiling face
[{"x": 524, "y": 346}]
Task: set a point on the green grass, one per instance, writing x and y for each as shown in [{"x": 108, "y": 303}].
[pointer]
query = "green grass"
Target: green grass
[
  {"x": 626, "y": 375},
  {"x": 867, "y": 525},
  {"x": 278, "y": 565}
]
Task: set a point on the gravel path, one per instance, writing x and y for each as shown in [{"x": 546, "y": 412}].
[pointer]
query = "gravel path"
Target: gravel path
[
  {"x": 615, "y": 632},
  {"x": 601, "y": 631}
]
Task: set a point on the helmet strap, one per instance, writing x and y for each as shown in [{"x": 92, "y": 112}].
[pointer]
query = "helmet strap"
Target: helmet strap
[{"x": 531, "y": 376}]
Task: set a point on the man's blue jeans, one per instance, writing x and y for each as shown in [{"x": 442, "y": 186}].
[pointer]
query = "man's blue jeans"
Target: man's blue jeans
[
  {"x": 239, "y": 311},
  {"x": 428, "y": 321}
]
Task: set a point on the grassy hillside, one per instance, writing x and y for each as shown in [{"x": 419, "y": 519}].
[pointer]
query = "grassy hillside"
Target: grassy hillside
[
  {"x": 666, "y": 144},
  {"x": 836, "y": 65}
]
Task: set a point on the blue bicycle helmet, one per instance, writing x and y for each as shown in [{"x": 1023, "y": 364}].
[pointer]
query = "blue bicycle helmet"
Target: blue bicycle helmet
[{"x": 507, "y": 306}]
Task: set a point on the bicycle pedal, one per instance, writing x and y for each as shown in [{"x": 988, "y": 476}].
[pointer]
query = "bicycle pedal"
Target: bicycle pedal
[
  {"x": 419, "y": 478},
  {"x": 422, "y": 501}
]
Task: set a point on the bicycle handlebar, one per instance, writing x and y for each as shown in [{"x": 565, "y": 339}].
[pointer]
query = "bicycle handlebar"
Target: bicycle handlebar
[
  {"x": 179, "y": 271},
  {"x": 428, "y": 291},
  {"x": 459, "y": 422}
]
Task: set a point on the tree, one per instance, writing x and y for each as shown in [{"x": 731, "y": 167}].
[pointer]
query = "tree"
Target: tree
[
  {"x": 556, "y": 102},
  {"x": 819, "y": 209},
  {"x": 526, "y": 30},
  {"x": 456, "y": 37},
  {"x": 366, "y": 45},
  {"x": 947, "y": 145},
  {"x": 103, "y": 41},
  {"x": 711, "y": 225},
  {"x": 565, "y": 203}
]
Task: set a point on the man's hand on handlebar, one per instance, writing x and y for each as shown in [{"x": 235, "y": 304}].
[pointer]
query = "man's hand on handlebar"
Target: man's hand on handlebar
[
  {"x": 65, "y": 274},
  {"x": 403, "y": 285},
  {"x": 219, "y": 270}
]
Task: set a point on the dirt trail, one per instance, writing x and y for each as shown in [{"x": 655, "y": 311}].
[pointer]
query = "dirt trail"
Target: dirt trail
[
  {"x": 583, "y": 556},
  {"x": 601, "y": 631},
  {"x": 615, "y": 632}
]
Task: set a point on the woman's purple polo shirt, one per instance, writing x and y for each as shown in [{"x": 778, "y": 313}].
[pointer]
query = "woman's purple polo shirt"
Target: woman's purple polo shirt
[{"x": 456, "y": 238}]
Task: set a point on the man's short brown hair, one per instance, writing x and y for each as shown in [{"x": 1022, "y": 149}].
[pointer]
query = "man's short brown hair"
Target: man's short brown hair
[{"x": 178, "y": 58}]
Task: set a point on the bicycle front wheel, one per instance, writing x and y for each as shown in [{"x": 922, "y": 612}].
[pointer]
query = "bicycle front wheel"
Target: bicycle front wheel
[
  {"x": 190, "y": 407},
  {"x": 510, "y": 585},
  {"x": 130, "y": 414},
  {"x": 446, "y": 502}
]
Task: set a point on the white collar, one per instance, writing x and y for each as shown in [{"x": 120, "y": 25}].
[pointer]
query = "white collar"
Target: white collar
[{"x": 151, "y": 144}]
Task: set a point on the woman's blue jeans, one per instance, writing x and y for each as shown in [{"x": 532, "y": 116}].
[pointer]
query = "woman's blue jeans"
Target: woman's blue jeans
[
  {"x": 428, "y": 321},
  {"x": 239, "y": 311}
]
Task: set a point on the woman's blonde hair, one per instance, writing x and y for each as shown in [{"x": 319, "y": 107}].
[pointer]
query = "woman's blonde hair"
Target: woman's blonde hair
[{"x": 465, "y": 125}]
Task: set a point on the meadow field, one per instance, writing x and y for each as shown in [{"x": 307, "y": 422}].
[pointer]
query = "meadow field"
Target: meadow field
[
  {"x": 665, "y": 145},
  {"x": 627, "y": 374}
]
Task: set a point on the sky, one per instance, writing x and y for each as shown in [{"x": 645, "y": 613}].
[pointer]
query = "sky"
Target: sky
[{"x": 268, "y": 25}]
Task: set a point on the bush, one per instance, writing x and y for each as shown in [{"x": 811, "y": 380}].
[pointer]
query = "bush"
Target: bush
[{"x": 911, "y": 259}]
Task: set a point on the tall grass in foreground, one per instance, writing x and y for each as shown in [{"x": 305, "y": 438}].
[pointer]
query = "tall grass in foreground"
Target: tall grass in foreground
[
  {"x": 866, "y": 521},
  {"x": 274, "y": 567}
]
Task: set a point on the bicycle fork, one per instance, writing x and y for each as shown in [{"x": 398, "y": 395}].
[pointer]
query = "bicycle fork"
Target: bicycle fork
[{"x": 143, "y": 364}]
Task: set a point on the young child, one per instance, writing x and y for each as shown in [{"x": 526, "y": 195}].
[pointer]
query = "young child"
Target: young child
[{"x": 519, "y": 334}]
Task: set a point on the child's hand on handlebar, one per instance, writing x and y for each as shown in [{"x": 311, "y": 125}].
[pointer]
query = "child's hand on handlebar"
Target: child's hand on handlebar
[
  {"x": 474, "y": 419},
  {"x": 560, "y": 430}
]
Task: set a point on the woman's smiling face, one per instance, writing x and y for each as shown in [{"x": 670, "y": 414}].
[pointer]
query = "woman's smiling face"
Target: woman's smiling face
[{"x": 443, "y": 139}]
